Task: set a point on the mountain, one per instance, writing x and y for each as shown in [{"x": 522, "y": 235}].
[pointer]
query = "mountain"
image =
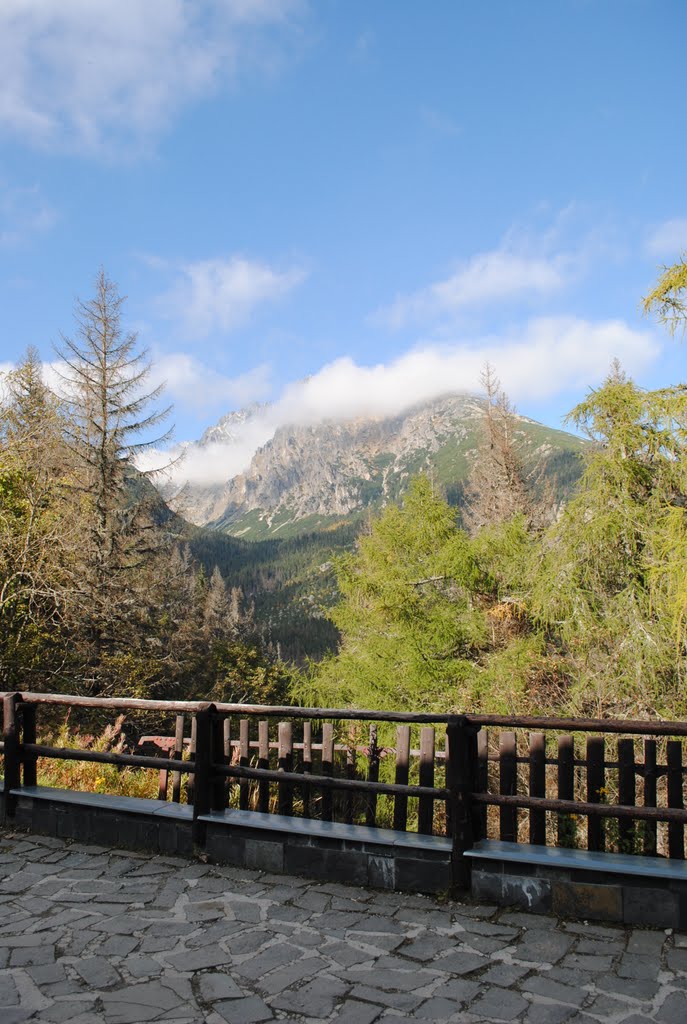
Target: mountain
[
  {"x": 274, "y": 529},
  {"x": 307, "y": 478}
]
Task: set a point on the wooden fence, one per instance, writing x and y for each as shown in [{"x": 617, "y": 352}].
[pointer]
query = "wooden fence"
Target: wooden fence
[{"x": 600, "y": 785}]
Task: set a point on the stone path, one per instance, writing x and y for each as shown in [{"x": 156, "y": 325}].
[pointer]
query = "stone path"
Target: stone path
[{"x": 101, "y": 936}]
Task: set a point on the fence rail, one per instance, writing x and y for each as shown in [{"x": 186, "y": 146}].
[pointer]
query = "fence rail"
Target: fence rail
[{"x": 596, "y": 784}]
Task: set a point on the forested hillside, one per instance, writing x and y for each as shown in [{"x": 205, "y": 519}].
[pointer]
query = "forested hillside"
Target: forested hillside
[
  {"x": 509, "y": 602},
  {"x": 98, "y": 591},
  {"x": 583, "y": 615}
]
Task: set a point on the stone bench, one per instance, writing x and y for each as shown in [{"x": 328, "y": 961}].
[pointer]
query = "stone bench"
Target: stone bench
[
  {"x": 381, "y": 858},
  {"x": 581, "y": 883}
]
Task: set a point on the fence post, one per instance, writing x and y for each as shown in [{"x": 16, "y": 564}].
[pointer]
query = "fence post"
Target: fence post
[
  {"x": 461, "y": 748},
  {"x": 11, "y": 735},
  {"x": 218, "y": 784},
  {"x": 202, "y": 789},
  {"x": 28, "y": 735}
]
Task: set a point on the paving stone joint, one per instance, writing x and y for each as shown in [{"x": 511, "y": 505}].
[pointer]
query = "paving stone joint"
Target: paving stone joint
[{"x": 96, "y": 935}]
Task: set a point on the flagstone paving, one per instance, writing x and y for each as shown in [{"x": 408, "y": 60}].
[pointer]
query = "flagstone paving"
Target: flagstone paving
[{"x": 100, "y": 936}]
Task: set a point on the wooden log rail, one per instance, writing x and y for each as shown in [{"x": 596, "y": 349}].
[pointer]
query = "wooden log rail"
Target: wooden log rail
[
  {"x": 621, "y": 788},
  {"x": 305, "y": 768}
]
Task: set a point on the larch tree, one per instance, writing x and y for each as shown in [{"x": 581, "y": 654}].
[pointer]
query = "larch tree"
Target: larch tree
[
  {"x": 112, "y": 414},
  {"x": 602, "y": 583},
  {"x": 411, "y": 633},
  {"x": 667, "y": 298},
  {"x": 497, "y": 488},
  {"x": 39, "y": 533}
]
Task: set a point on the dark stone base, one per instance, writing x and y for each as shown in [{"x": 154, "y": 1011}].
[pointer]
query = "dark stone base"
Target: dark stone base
[
  {"x": 342, "y": 853},
  {"x": 583, "y": 895},
  {"x": 341, "y": 860},
  {"x": 106, "y": 827}
]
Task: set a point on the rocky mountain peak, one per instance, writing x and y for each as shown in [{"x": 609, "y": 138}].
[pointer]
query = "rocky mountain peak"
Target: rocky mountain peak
[{"x": 309, "y": 475}]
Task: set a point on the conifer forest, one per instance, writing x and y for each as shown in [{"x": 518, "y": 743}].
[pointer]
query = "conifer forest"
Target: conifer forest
[{"x": 510, "y": 602}]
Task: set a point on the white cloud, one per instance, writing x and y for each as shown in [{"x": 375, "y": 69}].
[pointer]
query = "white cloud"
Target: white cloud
[
  {"x": 488, "y": 276},
  {"x": 547, "y": 357},
  {"x": 533, "y": 260},
  {"x": 99, "y": 74},
  {"x": 23, "y": 212},
  {"x": 223, "y": 294},
  {"x": 669, "y": 239},
  {"x": 191, "y": 384}
]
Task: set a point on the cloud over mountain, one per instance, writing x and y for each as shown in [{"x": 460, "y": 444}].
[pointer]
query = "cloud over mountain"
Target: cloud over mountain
[{"x": 547, "y": 357}]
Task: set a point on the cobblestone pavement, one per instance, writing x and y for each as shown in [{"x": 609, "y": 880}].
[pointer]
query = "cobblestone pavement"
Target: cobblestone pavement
[{"x": 100, "y": 936}]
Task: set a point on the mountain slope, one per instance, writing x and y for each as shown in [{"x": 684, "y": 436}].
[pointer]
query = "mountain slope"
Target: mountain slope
[{"x": 310, "y": 477}]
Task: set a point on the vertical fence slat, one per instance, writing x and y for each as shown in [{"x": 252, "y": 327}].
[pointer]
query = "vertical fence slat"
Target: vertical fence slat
[
  {"x": 596, "y": 790},
  {"x": 28, "y": 716},
  {"x": 482, "y": 780},
  {"x": 191, "y": 779},
  {"x": 285, "y": 765},
  {"x": 626, "y": 793},
  {"x": 263, "y": 762},
  {"x": 508, "y": 786},
  {"x": 425, "y": 821},
  {"x": 177, "y": 755},
  {"x": 162, "y": 782},
  {"x": 307, "y": 766},
  {"x": 228, "y": 756},
  {"x": 402, "y": 772},
  {"x": 349, "y": 796},
  {"x": 676, "y": 832},
  {"x": 244, "y": 762},
  {"x": 566, "y": 789},
  {"x": 649, "y": 830},
  {"x": 327, "y": 767},
  {"x": 202, "y": 790},
  {"x": 372, "y": 776},
  {"x": 537, "y": 786}
]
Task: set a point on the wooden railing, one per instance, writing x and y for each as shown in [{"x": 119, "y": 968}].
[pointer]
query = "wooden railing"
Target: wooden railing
[{"x": 602, "y": 785}]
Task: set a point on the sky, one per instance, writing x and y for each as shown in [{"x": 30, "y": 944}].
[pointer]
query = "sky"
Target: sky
[{"x": 342, "y": 207}]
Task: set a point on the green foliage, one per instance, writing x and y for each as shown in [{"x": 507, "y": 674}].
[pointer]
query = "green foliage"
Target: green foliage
[
  {"x": 605, "y": 574},
  {"x": 584, "y": 616},
  {"x": 95, "y": 594},
  {"x": 667, "y": 300},
  {"x": 410, "y": 631}
]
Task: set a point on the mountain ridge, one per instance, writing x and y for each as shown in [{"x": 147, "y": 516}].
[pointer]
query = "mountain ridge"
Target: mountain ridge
[{"x": 309, "y": 476}]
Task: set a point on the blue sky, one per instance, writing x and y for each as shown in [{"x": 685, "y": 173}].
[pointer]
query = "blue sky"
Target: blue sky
[{"x": 373, "y": 194}]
